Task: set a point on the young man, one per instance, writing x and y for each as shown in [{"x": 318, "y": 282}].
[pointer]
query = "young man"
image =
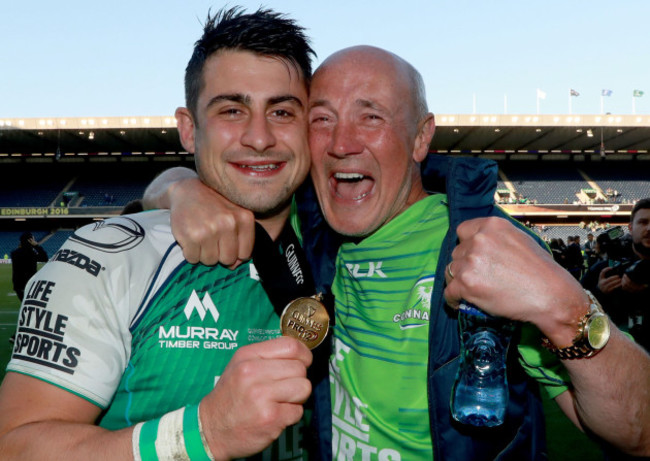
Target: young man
[
  {"x": 121, "y": 341},
  {"x": 391, "y": 372}
]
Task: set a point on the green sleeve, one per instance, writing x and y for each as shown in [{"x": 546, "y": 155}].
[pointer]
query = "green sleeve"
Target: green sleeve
[{"x": 541, "y": 364}]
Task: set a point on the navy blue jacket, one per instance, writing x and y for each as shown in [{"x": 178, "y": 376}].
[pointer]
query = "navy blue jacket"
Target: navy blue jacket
[{"x": 469, "y": 184}]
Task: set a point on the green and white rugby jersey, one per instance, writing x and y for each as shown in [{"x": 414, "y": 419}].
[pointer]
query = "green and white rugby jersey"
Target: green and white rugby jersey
[{"x": 119, "y": 318}]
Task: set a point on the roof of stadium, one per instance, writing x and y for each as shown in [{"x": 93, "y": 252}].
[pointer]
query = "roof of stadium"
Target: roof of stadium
[{"x": 539, "y": 136}]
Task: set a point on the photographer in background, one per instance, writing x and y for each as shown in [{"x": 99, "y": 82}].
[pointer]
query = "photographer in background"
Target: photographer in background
[
  {"x": 24, "y": 261},
  {"x": 621, "y": 281}
]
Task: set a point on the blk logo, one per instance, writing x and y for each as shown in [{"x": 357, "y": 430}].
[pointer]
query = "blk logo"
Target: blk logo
[{"x": 371, "y": 270}]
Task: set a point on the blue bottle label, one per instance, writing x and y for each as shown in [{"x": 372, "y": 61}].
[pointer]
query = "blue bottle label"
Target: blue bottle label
[{"x": 471, "y": 309}]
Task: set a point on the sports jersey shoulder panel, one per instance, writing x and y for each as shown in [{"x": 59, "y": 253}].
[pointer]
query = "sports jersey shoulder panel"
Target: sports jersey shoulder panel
[{"x": 73, "y": 327}]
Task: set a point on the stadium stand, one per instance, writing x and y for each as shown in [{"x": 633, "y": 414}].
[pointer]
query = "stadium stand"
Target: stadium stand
[
  {"x": 35, "y": 186},
  {"x": 55, "y": 240},
  {"x": 9, "y": 241},
  {"x": 550, "y": 232},
  {"x": 545, "y": 182},
  {"x": 102, "y": 191},
  {"x": 625, "y": 182}
]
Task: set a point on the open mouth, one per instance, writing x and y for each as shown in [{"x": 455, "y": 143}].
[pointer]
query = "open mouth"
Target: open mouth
[{"x": 352, "y": 186}]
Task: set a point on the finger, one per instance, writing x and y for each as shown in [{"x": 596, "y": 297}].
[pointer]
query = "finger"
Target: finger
[
  {"x": 223, "y": 248},
  {"x": 290, "y": 390},
  {"x": 283, "y": 347},
  {"x": 605, "y": 271},
  {"x": 452, "y": 295},
  {"x": 449, "y": 273},
  {"x": 209, "y": 254},
  {"x": 246, "y": 239},
  {"x": 254, "y": 371},
  {"x": 291, "y": 413},
  {"x": 192, "y": 253},
  {"x": 468, "y": 228}
]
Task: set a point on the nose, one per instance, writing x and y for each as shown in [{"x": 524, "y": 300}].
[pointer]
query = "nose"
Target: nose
[
  {"x": 258, "y": 134},
  {"x": 345, "y": 140}
]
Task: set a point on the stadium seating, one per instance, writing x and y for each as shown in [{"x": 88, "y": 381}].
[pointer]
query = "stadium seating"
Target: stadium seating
[
  {"x": 9, "y": 241},
  {"x": 545, "y": 183},
  {"x": 630, "y": 180},
  {"x": 30, "y": 186}
]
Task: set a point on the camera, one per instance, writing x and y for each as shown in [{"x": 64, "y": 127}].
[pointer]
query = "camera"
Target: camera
[{"x": 618, "y": 246}]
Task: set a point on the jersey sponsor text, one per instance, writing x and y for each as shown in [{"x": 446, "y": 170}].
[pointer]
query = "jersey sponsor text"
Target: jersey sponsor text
[{"x": 41, "y": 333}]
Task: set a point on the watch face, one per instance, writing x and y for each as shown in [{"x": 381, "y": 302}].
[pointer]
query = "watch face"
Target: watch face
[{"x": 598, "y": 333}]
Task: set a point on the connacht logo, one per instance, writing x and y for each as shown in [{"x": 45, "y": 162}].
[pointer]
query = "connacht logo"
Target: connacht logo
[
  {"x": 418, "y": 306},
  {"x": 202, "y": 307},
  {"x": 113, "y": 236}
]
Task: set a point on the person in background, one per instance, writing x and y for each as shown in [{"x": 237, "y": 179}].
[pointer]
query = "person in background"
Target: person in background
[
  {"x": 573, "y": 257},
  {"x": 24, "y": 264},
  {"x": 589, "y": 249},
  {"x": 621, "y": 282}
]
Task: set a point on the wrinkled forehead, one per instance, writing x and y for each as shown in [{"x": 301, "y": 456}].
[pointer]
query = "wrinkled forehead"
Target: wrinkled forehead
[{"x": 350, "y": 81}]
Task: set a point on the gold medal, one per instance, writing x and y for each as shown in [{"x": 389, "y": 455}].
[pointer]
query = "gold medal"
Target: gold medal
[{"x": 306, "y": 319}]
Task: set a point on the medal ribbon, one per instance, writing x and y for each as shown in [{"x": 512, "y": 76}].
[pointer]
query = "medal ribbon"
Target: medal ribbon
[{"x": 282, "y": 267}]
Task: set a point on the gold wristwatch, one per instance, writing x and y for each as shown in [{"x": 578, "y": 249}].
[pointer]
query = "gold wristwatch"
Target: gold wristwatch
[{"x": 593, "y": 334}]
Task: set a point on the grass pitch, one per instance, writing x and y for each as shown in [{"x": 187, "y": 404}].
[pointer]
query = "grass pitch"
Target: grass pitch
[{"x": 9, "y": 305}]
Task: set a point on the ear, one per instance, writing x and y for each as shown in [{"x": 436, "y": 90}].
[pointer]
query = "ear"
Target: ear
[
  {"x": 185, "y": 124},
  {"x": 426, "y": 129}
]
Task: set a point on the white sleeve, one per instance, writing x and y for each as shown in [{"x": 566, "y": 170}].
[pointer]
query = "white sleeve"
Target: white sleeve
[{"x": 73, "y": 326}]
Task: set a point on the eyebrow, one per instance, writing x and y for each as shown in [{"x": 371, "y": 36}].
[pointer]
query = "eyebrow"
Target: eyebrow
[
  {"x": 365, "y": 103},
  {"x": 233, "y": 97},
  {"x": 286, "y": 98},
  {"x": 246, "y": 99},
  {"x": 318, "y": 103},
  {"x": 368, "y": 104}
]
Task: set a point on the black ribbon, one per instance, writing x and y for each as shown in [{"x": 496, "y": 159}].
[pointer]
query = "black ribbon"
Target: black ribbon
[{"x": 282, "y": 267}]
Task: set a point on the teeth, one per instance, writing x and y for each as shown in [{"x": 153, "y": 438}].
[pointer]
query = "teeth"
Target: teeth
[
  {"x": 360, "y": 196},
  {"x": 349, "y": 176},
  {"x": 261, "y": 167}
]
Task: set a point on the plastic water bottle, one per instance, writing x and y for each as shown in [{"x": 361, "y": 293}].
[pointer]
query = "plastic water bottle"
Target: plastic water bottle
[{"x": 480, "y": 394}]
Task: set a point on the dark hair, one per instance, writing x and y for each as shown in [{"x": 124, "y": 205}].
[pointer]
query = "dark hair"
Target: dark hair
[
  {"x": 264, "y": 32},
  {"x": 25, "y": 238},
  {"x": 642, "y": 204}
]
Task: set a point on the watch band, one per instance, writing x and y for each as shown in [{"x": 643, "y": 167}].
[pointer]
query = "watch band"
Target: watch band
[
  {"x": 576, "y": 351},
  {"x": 581, "y": 348}
]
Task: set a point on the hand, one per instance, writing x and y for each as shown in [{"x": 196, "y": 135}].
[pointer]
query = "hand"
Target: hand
[
  {"x": 259, "y": 394},
  {"x": 608, "y": 283},
  {"x": 503, "y": 271},
  {"x": 632, "y": 287},
  {"x": 32, "y": 242},
  {"x": 209, "y": 228}
]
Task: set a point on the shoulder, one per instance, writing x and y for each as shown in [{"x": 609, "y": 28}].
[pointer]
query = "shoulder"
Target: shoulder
[{"x": 122, "y": 233}]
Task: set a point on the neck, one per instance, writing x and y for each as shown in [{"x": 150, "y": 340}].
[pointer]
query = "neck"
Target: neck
[
  {"x": 273, "y": 225},
  {"x": 417, "y": 192}
]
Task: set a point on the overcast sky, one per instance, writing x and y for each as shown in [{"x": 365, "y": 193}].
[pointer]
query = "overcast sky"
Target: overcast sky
[{"x": 73, "y": 58}]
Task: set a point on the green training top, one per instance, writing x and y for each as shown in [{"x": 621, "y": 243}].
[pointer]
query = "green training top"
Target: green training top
[{"x": 378, "y": 368}]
